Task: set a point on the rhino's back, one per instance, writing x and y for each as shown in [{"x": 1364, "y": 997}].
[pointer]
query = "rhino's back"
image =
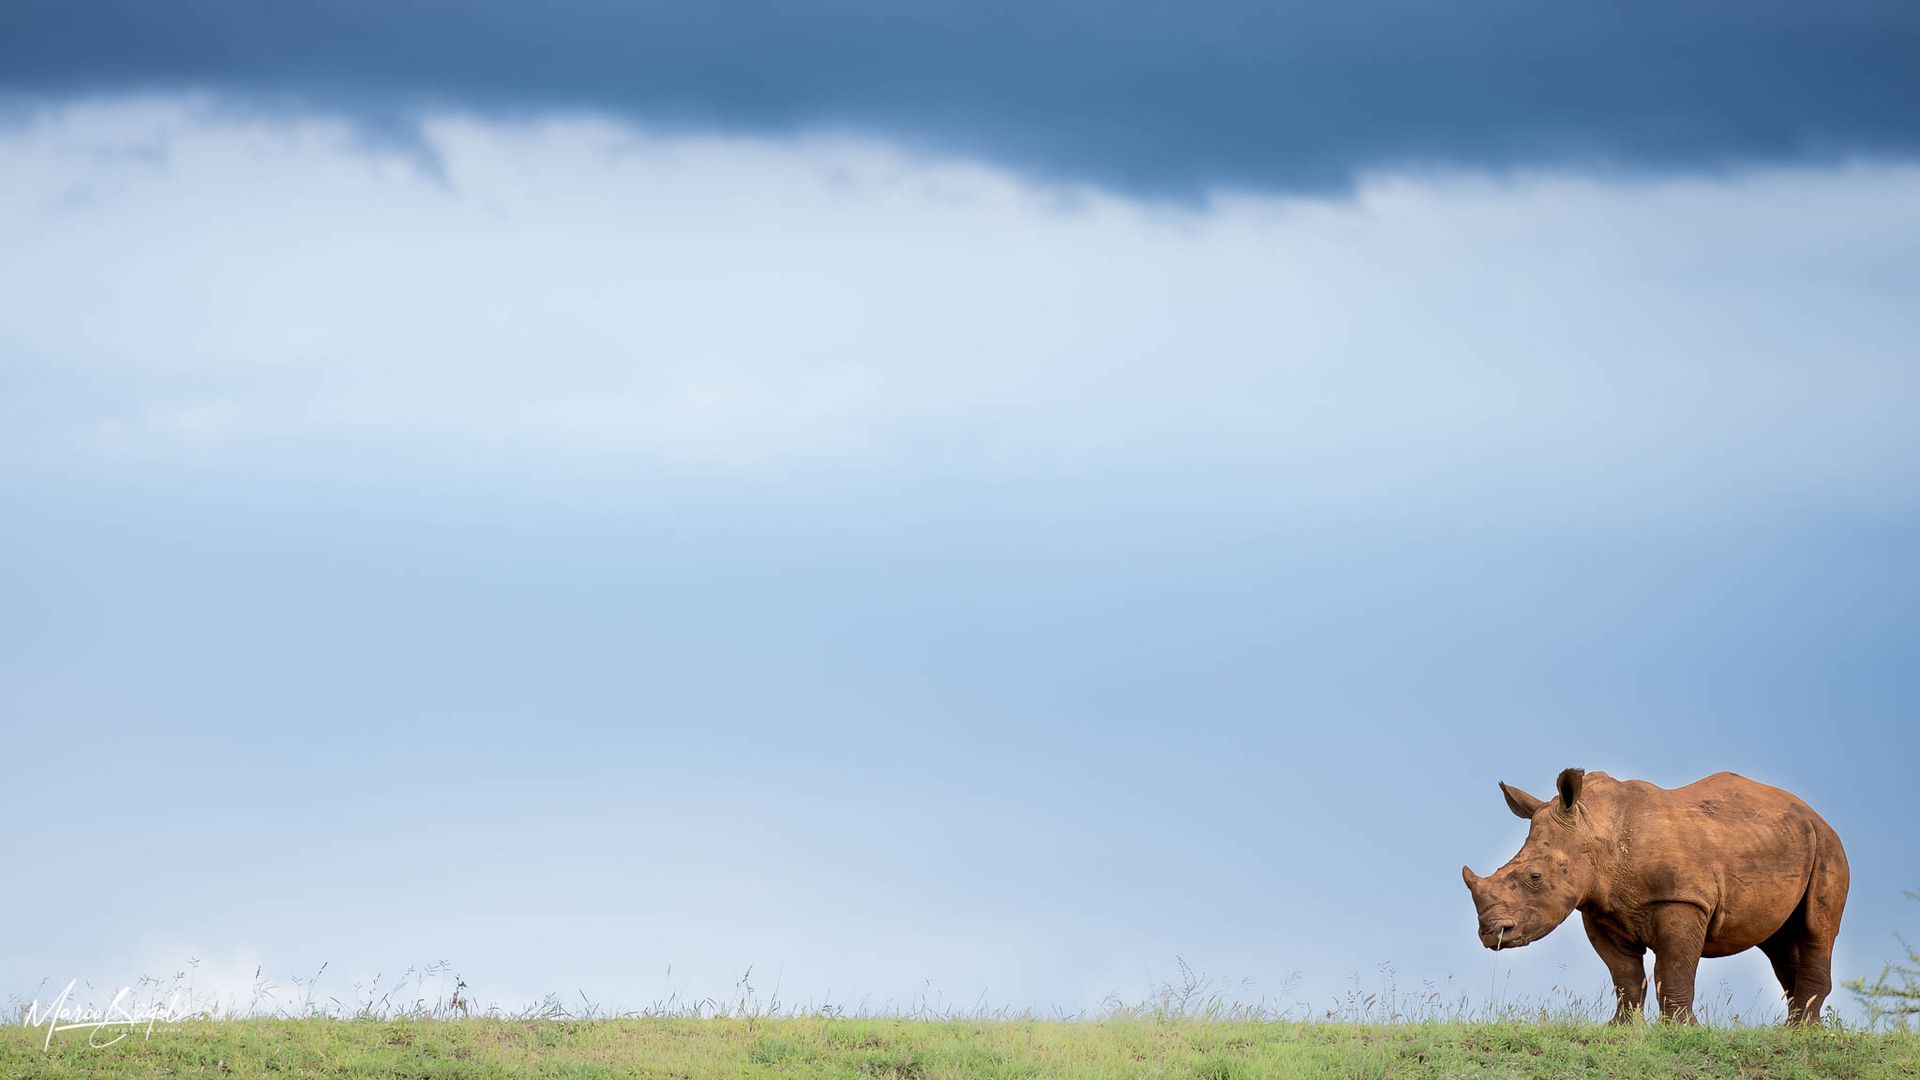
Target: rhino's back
[{"x": 1740, "y": 849}]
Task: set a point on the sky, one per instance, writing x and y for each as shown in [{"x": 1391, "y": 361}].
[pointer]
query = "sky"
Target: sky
[{"x": 973, "y": 507}]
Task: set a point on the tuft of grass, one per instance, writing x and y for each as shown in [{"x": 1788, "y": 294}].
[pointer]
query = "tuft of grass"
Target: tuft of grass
[{"x": 878, "y": 1048}]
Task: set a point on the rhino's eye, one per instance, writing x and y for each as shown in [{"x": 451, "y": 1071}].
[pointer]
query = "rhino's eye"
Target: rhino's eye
[{"x": 1533, "y": 880}]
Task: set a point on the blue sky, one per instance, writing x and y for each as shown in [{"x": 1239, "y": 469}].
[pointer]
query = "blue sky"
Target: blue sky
[{"x": 956, "y": 505}]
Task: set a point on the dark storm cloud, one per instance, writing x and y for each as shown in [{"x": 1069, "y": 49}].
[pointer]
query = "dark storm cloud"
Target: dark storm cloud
[{"x": 1175, "y": 97}]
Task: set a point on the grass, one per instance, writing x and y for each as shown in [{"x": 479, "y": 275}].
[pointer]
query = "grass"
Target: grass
[
  {"x": 424, "y": 1027},
  {"x": 907, "y": 1049}
]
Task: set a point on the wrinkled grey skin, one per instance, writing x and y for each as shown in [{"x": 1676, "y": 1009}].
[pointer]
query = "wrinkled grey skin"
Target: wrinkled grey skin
[{"x": 1711, "y": 869}]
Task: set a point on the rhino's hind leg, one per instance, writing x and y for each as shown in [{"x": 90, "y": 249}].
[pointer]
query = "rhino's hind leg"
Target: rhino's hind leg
[
  {"x": 1803, "y": 964},
  {"x": 1807, "y": 939},
  {"x": 1812, "y": 980},
  {"x": 1818, "y": 924},
  {"x": 1780, "y": 950}
]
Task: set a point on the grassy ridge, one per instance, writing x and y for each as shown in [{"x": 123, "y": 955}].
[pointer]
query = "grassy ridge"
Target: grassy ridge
[{"x": 926, "y": 1049}]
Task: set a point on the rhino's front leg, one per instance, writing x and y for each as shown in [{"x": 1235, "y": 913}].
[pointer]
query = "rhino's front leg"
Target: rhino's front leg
[
  {"x": 1679, "y": 935},
  {"x": 1627, "y": 963}
]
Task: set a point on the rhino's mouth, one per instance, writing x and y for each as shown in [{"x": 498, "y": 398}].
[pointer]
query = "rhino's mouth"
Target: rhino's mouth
[{"x": 1504, "y": 935}]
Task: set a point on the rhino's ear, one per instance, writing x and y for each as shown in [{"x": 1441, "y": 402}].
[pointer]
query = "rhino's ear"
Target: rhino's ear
[
  {"x": 1569, "y": 785},
  {"x": 1522, "y": 804}
]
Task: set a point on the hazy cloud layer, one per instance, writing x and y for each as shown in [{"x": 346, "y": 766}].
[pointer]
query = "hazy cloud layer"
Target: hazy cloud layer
[
  {"x": 1173, "y": 98},
  {"x": 586, "y": 290}
]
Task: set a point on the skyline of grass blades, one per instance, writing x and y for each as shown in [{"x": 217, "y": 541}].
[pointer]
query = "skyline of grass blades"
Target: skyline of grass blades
[
  {"x": 426, "y": 1023},
  {"x": 828, "y": 1046},
  {"x": 438, "y": 991}
]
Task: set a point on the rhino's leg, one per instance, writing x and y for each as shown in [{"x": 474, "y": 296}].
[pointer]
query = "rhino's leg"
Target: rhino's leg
[
  {"x": 1627, "y": 963},
  {"x": 1818, "y": 921},
  {"x": 1781, "y": 949},
  {"x": 1812, "y": 980},
  {"x": 1679, "y": 936}
]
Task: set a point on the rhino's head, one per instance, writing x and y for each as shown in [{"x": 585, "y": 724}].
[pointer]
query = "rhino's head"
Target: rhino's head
[{"x": 1524, "y": 900}]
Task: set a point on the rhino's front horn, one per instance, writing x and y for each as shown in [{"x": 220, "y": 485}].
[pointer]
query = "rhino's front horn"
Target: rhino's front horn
[{"x": 1467, "y": 875}]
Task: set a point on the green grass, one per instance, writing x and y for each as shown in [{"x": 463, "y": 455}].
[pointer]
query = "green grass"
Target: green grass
[{"x": 867, "y": 1049}]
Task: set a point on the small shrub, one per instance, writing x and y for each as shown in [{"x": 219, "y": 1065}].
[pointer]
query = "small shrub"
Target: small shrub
[{"x": 1894, "y": 995}]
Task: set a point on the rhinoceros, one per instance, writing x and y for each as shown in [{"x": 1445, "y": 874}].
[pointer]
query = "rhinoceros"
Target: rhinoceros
[{"x": 1719, "y": 866}]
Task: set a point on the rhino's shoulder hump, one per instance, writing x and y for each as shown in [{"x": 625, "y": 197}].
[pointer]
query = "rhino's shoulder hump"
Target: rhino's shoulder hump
[{"x": 1638, "y": 789}]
